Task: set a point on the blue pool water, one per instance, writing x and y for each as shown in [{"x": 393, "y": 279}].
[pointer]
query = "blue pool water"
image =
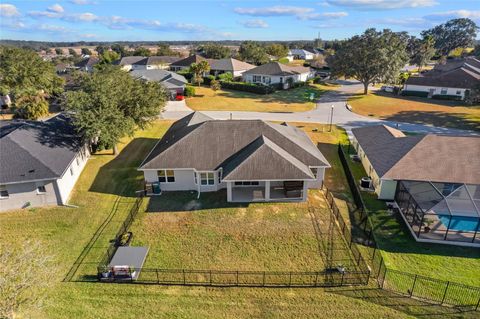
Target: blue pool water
[{"x": 460, "y": 223}]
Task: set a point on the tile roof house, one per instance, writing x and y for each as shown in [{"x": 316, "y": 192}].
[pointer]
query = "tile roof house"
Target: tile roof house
[
  {"x": 147, "y": 63},
  {"x": 234, "y": 66},
  {"x": 173, "y": 82},
  {"x": 185, "y": 63},
  {"x": 455, "y": 78},
  {"x": 40, "y": 162},
  {"x": 434, "y": 179},
  {"x": 254, "y": 160},
  {"x": 275, "y": 72}
]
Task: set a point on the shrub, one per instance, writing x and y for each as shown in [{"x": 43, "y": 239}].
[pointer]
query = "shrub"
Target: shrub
[
  {"x": 228, "y": 76},
  {"x": 189, "y": 91},
  {"x": 447, "y": 97},
  {"x": 284, "y": 60},
  {"x": 188, "y": 75},
  {"x": 215, "y": 85},
  {"x": 414, "y": 93},
  {"x": 248, "y": 87},
  {"x": 31, "y": 107},
  {"x": 208, "y": 79}
]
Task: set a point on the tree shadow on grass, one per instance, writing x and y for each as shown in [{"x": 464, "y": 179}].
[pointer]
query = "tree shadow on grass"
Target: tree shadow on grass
[
  {"x": 120, "y": 175},
  {"x": 188, "y": 201},
  {"x": 442, "y": 119},
  {"x": 405, "y": 304}
]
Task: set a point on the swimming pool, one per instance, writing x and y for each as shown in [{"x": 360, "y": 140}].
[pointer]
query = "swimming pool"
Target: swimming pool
[{"x": 460, "y": 223}]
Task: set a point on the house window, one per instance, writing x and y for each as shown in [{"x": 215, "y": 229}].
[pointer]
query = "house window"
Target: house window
[
  {"x": 443, "y": 91},
  {"x": 207, "y": 179},
  {"x": 78, "y": 161},
  {"x": 195, "y": 178},
  {"x": 281, "y": 79},
  {"x": 257, "y": 78},
  {"x": 3, "y": 192},
  {"x": 41, "y": 189},
  {"x": 219, "y": 176},
  {"x": 166, "y": 176},
  {"x": 459, "y": 92},
  {"x": 314, "y": 171},
  {"x": 71, "y": 171},
  {"x": 247, "y": 183}
]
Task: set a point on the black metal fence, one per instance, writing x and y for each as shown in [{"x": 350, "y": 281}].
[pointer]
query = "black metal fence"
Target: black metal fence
[
  {"x": 112, "y": 248},
  {"x": 244, "y": 278},
  {"x": 413, "y": 285}
]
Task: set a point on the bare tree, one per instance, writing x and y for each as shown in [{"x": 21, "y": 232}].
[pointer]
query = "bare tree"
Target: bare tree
[{"x": 25, "y": 273}]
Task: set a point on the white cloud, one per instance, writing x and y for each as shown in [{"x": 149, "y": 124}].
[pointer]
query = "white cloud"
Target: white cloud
[
  {"x": 56, "y": 8},
  {"x": 81, "y": 17},
  {"x": 274, "y": 11},
  {"x": 255, "y": 24},
  {"x": 324, "y": 16},
  {"x": 382, "y": 4},
  {"x": 474, "y": 15},
  {"x": 53, "y": 28},
  {"x": 88, "y": 35},
  {"x": 82, "y": 2},
  {"x": 8, "y": 10}
]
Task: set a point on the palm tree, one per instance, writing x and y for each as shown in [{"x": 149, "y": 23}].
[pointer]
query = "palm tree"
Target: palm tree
[{"x": 198, "y": 70}]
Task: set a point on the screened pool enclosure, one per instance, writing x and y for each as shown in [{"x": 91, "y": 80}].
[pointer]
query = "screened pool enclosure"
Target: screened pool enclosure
[{"x": 441, "y": 211}]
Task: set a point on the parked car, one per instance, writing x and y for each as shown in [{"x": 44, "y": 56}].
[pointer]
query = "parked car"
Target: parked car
[{"x": 388, "y": 88}]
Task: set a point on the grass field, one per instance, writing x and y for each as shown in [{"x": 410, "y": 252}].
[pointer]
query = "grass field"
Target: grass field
[
  {"x": 417, "y": 110},
  {"x": 105, "y": 192},
  {"x": 294, "y": 100},
  {"x": 217, "y": 236}
]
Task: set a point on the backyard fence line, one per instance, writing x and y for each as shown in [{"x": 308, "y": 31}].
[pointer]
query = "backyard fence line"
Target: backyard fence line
[
  {"x": 188, "y": 277},
  {"x": 413, "y": 285}
]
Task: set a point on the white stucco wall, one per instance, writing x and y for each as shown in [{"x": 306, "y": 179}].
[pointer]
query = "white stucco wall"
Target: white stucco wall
[
  {"x": 184, "y": 180},
  {"x": 437, "y": 90},
  {"x": 387, "y": 189},
  {"x": 277, "y": 79},
  {"x": 66, "y": 183},
  {"x": 23, "y": 193}
]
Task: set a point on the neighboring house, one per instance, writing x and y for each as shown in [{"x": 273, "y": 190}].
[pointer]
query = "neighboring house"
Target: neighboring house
[
  {"x": 252, "y": 159},
  {"x": 300, "y": 54},
  {"x": 173, "y": 82},
  {"x": 87, "y": 64},
  {"x": 275, "y": 72},
  {"x": 40, "y": 162},
  {"x": 234, "y": 66},
  {"x": 147, "y": 63},
  {"x": 434, "y": 179},
  {"x": 185, "y": 63},
  {"x": 455, "y": 79}
]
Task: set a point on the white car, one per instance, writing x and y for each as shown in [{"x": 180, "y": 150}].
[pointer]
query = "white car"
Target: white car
[{"x": 387, "y": 88}]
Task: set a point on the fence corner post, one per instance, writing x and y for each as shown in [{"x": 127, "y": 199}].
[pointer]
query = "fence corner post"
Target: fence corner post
[{"x": 445, "y": 293}]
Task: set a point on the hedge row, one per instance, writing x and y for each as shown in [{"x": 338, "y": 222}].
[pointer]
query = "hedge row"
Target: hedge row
[
  {"x": 414, "y": 93},
  {"x": 248, "y": 87},
  {"x": 447, "y": 97}
]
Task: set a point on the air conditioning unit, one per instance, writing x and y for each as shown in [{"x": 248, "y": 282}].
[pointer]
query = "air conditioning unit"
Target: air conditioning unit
[{"x": 366, "y": 182}]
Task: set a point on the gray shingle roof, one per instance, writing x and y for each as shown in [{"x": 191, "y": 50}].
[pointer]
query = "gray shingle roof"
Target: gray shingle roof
[
  {"x": 189, "y": 60},
  {"x": 91, "y": 61},
  {"x": 37, "y": 150},
  {"x": 129, "y": 60},
  {"x": 453, "y": 159},
  {"x": 166, "y": 78},
  {"x": 199, "y": 142},
  {"x": 229, "y": 65},
  {"x": 276, "y": 68}
]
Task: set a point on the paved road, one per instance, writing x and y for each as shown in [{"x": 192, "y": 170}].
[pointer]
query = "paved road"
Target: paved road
[{"x": 321, "y": 114}]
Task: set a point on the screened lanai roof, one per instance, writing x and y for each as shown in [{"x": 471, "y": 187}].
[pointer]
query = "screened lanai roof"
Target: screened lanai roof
[{"x": 446, "y": 198}]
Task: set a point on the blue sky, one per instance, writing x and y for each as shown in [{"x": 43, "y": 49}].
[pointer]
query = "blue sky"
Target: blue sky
[{"x": 107, "y": 20}]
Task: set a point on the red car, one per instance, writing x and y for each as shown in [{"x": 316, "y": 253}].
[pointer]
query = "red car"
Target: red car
[{"x": 179, "y": 98}]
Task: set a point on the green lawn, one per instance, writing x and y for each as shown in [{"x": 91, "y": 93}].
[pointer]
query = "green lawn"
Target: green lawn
[
  {"x": 105, "y": 192},
  {"x": 293, "y": 100},
  {"x": 419, "y": 110},
  {"x": 401, "y": 252}
]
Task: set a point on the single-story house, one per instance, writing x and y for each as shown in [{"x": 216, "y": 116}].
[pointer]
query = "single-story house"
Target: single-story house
[
  {"x": 454, "y": 79},
  {"x": 234, "y": 66},
  {"x": 147, "y": 63},
  {"x": 434, "y": 180},
  {"x": 40, "y": 162},
  {"x": 253, "y": 160},
  {"x": 300, "y": 54},
  {"x": 173, "y": 82},
  {"x": 275, "y": 72},
  {"x": 185, "y": 63},
  {"x": 127, "y": 62},
  {"x": 87, "y": 64}
]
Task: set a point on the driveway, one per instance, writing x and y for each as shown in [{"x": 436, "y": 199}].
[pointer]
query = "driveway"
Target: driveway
[{"x": 321, "y": 114}]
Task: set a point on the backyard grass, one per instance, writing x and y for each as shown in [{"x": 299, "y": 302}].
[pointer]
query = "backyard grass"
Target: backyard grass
[
  {"x": 105, "y": 192},
  {"x": 293, "y": 100},
  {"x": 440, "y": 113}
]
